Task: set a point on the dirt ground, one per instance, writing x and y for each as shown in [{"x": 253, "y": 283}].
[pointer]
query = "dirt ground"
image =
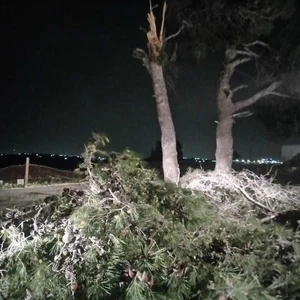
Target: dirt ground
[{"x": 37, "y": 173}]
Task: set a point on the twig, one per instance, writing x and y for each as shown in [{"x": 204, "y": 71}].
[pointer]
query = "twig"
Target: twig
[
  {"x": 237, "y": 62},
  {"x": 184, "y": 24},
  {"x": 260, "y": 43},
  {"x": 116, "y": 199},
  {"x": 242, "y": 114},
  {"x": 268, "y": 218},
  {"x": 141, "y": 54},
  {"x": 243, "y": 86},
  {"x": 248, "y": 52},
  {"x": 253, "y": 201},
  {"x": 283, "y": 95}
]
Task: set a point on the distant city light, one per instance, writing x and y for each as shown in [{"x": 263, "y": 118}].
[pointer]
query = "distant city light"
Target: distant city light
[
  {"x": 269, "y": 161},
  {"x": 243, "y": 161},
  {"x": 260, "y": 161}
]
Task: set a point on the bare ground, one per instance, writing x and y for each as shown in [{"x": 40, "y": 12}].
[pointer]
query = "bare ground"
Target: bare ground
[{"x": 37, "y": 173}]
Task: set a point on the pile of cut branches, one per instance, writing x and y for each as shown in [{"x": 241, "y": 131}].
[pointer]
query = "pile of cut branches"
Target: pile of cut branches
[{"x": 242, "y": 194}]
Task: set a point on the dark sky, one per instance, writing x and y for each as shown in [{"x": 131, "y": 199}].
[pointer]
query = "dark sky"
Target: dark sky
[{"x": 67, "y": 70}]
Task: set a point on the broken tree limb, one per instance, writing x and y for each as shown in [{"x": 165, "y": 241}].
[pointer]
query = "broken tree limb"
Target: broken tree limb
[
  {"x": 247, "y": 196},
  {"x": 141, "y": 54}
]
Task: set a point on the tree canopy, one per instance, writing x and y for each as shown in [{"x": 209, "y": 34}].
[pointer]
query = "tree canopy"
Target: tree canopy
[{"x": 274, "y": 26}]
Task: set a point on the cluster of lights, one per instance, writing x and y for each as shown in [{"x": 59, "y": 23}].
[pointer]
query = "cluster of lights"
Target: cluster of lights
[
  {"x": 268, "y": 161},
  {"x": 197, "y": 159},
  {"x": 262, "y": 161},
  {"x": 45, "y": 155},
  {"x": 200, "y": 160},
  {"x": 65, "y": 155}
]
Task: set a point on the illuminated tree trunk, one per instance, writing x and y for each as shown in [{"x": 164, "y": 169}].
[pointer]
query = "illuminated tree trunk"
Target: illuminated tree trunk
[
  {"x": 224, "y": 144},
  {"x": 156, "y": 45},
  {"x": 168, "y": 136},
  {"x": 224, "y": 138},
  {"x": 228, "y": 110}
]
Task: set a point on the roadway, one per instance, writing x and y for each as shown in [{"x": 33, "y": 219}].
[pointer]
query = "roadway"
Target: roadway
[{"x": 25, "y": 196}]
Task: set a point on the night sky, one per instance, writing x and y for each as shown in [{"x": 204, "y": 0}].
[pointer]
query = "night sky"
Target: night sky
[{"x": 67, "y": 70}]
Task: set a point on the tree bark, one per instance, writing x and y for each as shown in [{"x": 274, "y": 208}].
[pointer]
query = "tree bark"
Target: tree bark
[
  {"x": 224, "y": 149},
  {"x": 227, "y": 109},
  {"x": 156, "y": 43},
  {"x": 224, "y": 139},
  {"x": 168, "y": 135}
]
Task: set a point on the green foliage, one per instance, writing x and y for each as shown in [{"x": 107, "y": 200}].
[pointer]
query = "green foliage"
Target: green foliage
[{"x": 142, "y": 239}]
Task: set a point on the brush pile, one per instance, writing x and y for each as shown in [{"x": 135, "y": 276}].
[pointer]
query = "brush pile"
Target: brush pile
[
  {"x": 241, "y": 194},
  {"x": 134, "y": 237}
]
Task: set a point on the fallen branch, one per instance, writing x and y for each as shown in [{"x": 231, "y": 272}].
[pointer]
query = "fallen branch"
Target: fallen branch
[
  {"x": 268, "y": 218},
  {"x": 253, "y": 201}
]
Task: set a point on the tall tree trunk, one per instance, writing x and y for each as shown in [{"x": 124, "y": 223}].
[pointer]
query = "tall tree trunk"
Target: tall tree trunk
[
  {"x": 224, "y": 149},
  {"x": 228, "y": 110},
  {"x": 224, "y": 138},
  {"x": 156, "y": 44},
  {"x": 168, "y": 136}
]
